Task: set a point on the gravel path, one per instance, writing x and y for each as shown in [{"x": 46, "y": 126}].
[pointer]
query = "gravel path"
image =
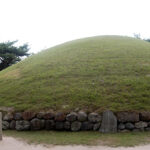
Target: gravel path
[{"x": 10, "y": 143}]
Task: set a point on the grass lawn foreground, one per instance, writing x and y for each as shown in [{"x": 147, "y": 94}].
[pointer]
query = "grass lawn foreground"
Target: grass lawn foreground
[{"x": 82, "y": 138}]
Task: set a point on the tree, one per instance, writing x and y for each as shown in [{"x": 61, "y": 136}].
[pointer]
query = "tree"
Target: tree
[
  {"x": 137, "y": 35},
  {"x": 148, "y": 40},
  {"x": 10, "y": 54}
]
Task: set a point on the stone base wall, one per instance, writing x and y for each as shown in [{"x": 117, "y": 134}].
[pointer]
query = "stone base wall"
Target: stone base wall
[{"x": 106, "y": 122}]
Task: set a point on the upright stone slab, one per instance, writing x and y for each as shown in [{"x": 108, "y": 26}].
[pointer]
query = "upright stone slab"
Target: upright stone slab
[
  {"x": 0, "y": 126},
  {"x": 109, "y": 122}
]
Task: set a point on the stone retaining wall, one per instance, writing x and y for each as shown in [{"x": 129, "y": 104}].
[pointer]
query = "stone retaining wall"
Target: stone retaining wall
[{"x": 78, "y": 121}]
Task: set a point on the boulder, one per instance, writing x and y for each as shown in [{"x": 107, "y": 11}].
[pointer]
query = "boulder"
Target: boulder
[
  {"x": 22, "y": 125},
  {"x": 37, "y": 124},
  {"x": 59, "y": 125},
  {"x": 60, "y": 116},
  {"x": 145, "y": 116},
  {"x": 82, "y": 116},
  {"x": 121, "y": 126},
  {"x": 71, "y": 117},
  {"x": 13, "y": 125},
  {"x": 76, "y": 126},
  {"x": 49, "y": 115},
  {"x": 109, "y": 122},
  {"x": 28, "y": 115},
  {"x": 8, "y": 117},
  {"x": 49, "y": 124},
  {"x": 94, "y": 117},
  {"x": 18, "y": 116},
  {"x": 67, "y": 125},
  {"x": 87, "y": 126},
  {"x": 129, "y": 126},
  {"x": 128, "y": 117},
  {"x": 5, "y": 125},
  {"x": 141, "y": 124},
  {"x": 96, "y": 126},
  {"x": 40, "y": 115}
]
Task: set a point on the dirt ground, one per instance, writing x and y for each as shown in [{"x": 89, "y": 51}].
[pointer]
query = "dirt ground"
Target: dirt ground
[{"x": 10, "y": 143}]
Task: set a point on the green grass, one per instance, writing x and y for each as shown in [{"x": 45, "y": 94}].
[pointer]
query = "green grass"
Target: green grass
[
  {"x": 97, "y": 73},
  {"x": 82, "y": 138}
]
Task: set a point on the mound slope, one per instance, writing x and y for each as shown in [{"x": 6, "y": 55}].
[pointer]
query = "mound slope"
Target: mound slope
[{"x": 103, "y": 72}]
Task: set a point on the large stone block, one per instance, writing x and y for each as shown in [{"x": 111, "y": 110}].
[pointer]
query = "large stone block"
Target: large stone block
[
  {"x": 18, "y": 116},
  {"x": 71, "y": 117},
  {"x": 76, "y": 126},
  {"x": 5, "y": 125},
  {"x": 28, "y": 115},
  {"x": 48, "y": 115},
  {"x": 22, "y": 125},
  {"x": 109, "y": 122},
  {"x": 145, "y": 116},
  {"x": 141, "y": 124},
  {"x": 49, "y": 124},
  {"x": 94, "y": 117},
  {"x": 82, "y": 116},
  {"x": 60, "y": 116},
  {"x": 8, "y": 117},
  {"x": 128, "y": 117},
  {"x": 37, "y": 124}
]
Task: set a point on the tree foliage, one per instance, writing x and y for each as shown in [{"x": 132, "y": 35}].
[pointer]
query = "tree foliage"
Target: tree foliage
[{"x": 10, "y": 54}]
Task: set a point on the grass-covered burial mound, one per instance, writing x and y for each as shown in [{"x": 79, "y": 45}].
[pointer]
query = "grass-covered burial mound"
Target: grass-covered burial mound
[{"x": 96, "y": 73}]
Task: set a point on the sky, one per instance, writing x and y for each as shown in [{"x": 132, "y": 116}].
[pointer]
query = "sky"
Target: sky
[{"x": 46, "y": 23}]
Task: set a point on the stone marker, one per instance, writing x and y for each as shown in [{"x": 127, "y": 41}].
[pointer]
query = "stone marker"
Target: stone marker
[
  {"x": 109, "y": 122},
  {"x": 0, "y": 126}
]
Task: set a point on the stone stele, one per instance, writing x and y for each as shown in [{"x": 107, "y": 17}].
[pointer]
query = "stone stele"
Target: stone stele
[
  {"x": 0, "y": 126},
  {"x": 109, "y": 122}
]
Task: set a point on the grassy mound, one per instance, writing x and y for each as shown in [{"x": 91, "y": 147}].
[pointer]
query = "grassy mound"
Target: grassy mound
[{"x": 97, "y": 73}]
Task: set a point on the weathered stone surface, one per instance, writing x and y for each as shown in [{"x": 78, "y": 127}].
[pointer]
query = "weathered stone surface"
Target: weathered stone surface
[
  {"x": 129, "y": 126},
  {"x": 13, "y": 125},
  {"x": 109, "y": 122},
  {"x": 121, "y": 126},
  {"x": 128, "y": 117},
  {"x": 82, "y": 116},
  {"x": 8, "y": 117},
  {"x": 96, "y": 126},
  {"x": 59, "y": 125},
  {"x": 36, "y": 124},
  {"x": 5, "y": 125},
  {"x": 22, "y": 125},
  {"x": 94, "y": 117},
  {"x": 18, "y": 116},
  {"x": 67, "y": 125},
  {"x": 71, "y": 117},
  {"x": 141, "y": 124},
  {"x": 87, "y": 126},
  {"x": 49, "y": 115},
  {"x": 40, "y": 115},
  {"x": 60, "y": 116},
  {"x": 49, "y": 124},
  {"x": 28, "y": 115},
  {"x": 145, "y": 116},
  {"x": 76, "y": 126}
]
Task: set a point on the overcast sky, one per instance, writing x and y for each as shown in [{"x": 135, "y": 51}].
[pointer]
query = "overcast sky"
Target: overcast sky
[{"x": 45, "y": 23}]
